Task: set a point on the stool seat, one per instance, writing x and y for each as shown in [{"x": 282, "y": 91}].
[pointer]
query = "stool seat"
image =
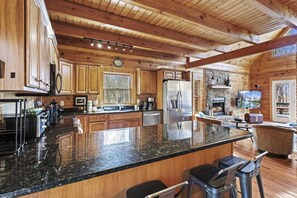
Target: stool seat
[
  {"x": 231, "y": 160},
  {"x": 144, "y": 189},
  {"x": 206, "y": 172}
]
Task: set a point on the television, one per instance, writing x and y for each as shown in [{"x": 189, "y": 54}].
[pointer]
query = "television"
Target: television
[{"x": 249, "y": 99}]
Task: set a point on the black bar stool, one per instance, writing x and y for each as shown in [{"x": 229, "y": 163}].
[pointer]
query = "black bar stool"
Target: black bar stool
[
  {"x": 214, "y": 181},
  {"x": 250, "y": 169},
  {"x": 154, "y": 188}
]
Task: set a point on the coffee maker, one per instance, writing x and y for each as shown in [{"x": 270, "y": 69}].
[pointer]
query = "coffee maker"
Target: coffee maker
[{"x": 151, "y": 104}]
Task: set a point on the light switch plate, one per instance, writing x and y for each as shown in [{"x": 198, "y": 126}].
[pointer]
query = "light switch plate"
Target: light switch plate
[{"x": 61, "y": 103}]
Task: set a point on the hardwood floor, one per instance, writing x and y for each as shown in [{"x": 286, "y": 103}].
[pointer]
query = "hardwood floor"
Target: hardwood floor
[{"x": 279, "y": 175}]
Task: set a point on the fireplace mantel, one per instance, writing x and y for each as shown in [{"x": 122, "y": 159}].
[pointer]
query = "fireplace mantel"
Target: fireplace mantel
[{"x": 219, "y": 87}]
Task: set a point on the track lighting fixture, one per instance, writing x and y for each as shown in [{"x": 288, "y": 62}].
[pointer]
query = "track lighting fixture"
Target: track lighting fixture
[
  {"x": 100, "y": 44},
  {"x": 108, "y": 46}
]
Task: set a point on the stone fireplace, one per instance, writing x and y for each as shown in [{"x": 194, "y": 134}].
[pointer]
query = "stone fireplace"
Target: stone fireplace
[{"x": 218, "y": 92}]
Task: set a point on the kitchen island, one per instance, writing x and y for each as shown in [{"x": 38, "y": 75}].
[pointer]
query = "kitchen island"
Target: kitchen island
[{"x": 105, "y": 163}]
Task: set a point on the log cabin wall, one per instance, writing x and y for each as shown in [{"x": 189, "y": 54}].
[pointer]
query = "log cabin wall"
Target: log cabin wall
[{"x": 265, "y": 69}]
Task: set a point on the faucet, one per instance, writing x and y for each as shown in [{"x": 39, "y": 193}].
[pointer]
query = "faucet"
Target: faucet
[{"x": 119, "y": 103}]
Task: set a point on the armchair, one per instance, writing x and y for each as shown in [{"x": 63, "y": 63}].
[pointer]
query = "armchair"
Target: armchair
[{"x": 274, "y": 139}]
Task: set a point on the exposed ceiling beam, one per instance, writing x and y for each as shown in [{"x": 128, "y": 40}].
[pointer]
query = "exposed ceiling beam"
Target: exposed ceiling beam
[
  {"x": 137, "y": 53},
  {"x": 96, "y": 15},
  {"x": 97, "y": 59},
  {"x": 75, "y": 30},
  {"x": 173, "y": 9},
  {"x": 277, "y": 10},
  {"x": 262, "y": 47}
]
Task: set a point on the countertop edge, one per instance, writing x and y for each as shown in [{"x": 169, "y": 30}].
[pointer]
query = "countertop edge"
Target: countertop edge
[{"x": 39, "y": 188}]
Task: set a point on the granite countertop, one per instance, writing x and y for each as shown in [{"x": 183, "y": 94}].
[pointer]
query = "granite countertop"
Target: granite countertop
[
  {"x": 63, "y": 156},
  {"x": 129, "y": 110}
]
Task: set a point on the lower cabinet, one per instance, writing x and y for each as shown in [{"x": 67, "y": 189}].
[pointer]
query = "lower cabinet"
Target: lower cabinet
[
  {"x": 84, "y": 121},
  {"x": 97, "y": 126},
  {"x": 100, "y": 122},
  {"x": 123, "y": 120},
  {"x": 97, "y": 122}
]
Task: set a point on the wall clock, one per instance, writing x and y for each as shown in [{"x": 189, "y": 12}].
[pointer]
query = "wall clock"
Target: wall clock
[{"x": 117, "y": 62}]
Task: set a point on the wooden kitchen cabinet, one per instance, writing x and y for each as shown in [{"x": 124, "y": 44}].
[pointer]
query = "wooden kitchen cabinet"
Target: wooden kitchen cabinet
[
  {"x": 12, "y": 49},
  {"x": 66, "y": 70},
  {"x": 24, "y": 47},
  {"x": 97, "y": 122},
  {"x": 33, "y": 44},
  {"x": 81, "y": 76},
  {"x": 171, "y": 74},
  {"x": 84, "y": 121},
  {"x": 97, "y": 126},
  {"x": 94, "y": 80},
  {"x": 87, "y": 79},
  {"x": 123, "y": 120},
  {"x": 148, "y": 82}
]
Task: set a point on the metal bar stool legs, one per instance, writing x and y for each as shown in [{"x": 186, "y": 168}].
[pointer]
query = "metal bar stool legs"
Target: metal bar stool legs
[
  {"x": 214, "y": 181},
  {"x": 246, "y": 173}
]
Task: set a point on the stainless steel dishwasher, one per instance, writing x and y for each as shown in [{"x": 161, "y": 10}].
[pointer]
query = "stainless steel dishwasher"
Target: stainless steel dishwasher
[{"x": 151, "y": 118}]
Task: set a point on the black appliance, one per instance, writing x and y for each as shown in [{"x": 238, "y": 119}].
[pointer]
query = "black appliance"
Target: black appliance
[
  {"x": 35, "y": 124},
  {"x": 55, "y": 80},
  {"x": 54, "y": 108}
]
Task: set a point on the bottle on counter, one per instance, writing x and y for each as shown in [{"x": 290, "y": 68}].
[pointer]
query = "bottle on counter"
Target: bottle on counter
[{"x": 89, "y": 106}]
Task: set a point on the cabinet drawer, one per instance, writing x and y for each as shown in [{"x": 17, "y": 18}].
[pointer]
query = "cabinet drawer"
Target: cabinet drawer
[
  {"x": 97, "y": 118},
  {"x": 120, "y": 116},
  {"x": 97, "y": 126}
]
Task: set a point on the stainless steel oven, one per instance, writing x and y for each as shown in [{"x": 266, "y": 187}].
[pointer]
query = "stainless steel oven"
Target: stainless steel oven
[{"x": 35, "y": 124}]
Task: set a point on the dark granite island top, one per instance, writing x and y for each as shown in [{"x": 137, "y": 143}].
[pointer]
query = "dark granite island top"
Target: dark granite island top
[{"x": 63, "y": 157}]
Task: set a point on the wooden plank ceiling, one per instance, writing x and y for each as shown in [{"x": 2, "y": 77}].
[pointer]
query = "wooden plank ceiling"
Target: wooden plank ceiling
[{"x": 167, "y": 32}]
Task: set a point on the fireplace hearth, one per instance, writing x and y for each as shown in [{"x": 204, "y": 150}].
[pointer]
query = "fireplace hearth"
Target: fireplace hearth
[{"x": 218, "y": 106}]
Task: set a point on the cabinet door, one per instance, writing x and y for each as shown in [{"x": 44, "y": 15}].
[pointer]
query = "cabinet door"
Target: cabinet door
[
  {"x": 84, "y": 121},
  {"x": 114, "y": 124},
  {"x": 32, "y": 41},
  {"x": 169, "y": 74},
  {"x": 143, "y": 81},
  {"x": 153, "y": 83},
  {"x": 12, "y": 36},
  {"x": 94, "y": 79},
  {"x": 81, "y": 79},
  {"x": 97, "y": 126},
  {"x": 178, "y": 75},
  {"x": 44, "y": 52},
  {"x": 66, "y": 70},
  {"x": 132, "y": 123}
]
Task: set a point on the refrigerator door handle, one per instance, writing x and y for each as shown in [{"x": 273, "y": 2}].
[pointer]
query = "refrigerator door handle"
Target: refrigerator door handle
[{"x": 181, "y": 102}]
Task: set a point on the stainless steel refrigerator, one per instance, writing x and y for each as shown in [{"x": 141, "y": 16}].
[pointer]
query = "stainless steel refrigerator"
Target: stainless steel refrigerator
[{"x": 177, "y": 101}]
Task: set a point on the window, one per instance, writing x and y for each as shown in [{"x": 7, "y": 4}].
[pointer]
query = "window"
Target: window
[
  {"x": 116, "y": 88},
  {"x": 287, "y": 50}
]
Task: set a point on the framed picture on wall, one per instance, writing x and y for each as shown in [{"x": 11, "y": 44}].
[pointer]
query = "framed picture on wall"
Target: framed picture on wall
[{"x": 80, "y": 100}]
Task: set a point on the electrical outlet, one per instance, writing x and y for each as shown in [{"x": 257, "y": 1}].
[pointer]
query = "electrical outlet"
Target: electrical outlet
[{"x": 62, "y": 103}]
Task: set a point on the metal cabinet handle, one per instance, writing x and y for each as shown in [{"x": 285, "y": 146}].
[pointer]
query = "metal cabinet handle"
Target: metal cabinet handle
[{"x": 2, "y": 69}]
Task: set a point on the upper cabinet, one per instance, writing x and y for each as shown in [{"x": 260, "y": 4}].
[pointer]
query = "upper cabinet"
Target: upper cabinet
[
  {"x": 25, "y": 47},
  {"x": 87, "y": 79},
  {"x": 148, "y": 82},
  {"x": 12, "y": 49},
  {"x": 66, "y": 70}
]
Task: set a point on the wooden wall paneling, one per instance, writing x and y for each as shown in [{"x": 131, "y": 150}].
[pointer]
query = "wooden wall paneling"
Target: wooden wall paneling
[
  {"x": 263, "y": 70},
  {"x": 12, "y": 37},
  {"x": 166, "y": 170}
]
